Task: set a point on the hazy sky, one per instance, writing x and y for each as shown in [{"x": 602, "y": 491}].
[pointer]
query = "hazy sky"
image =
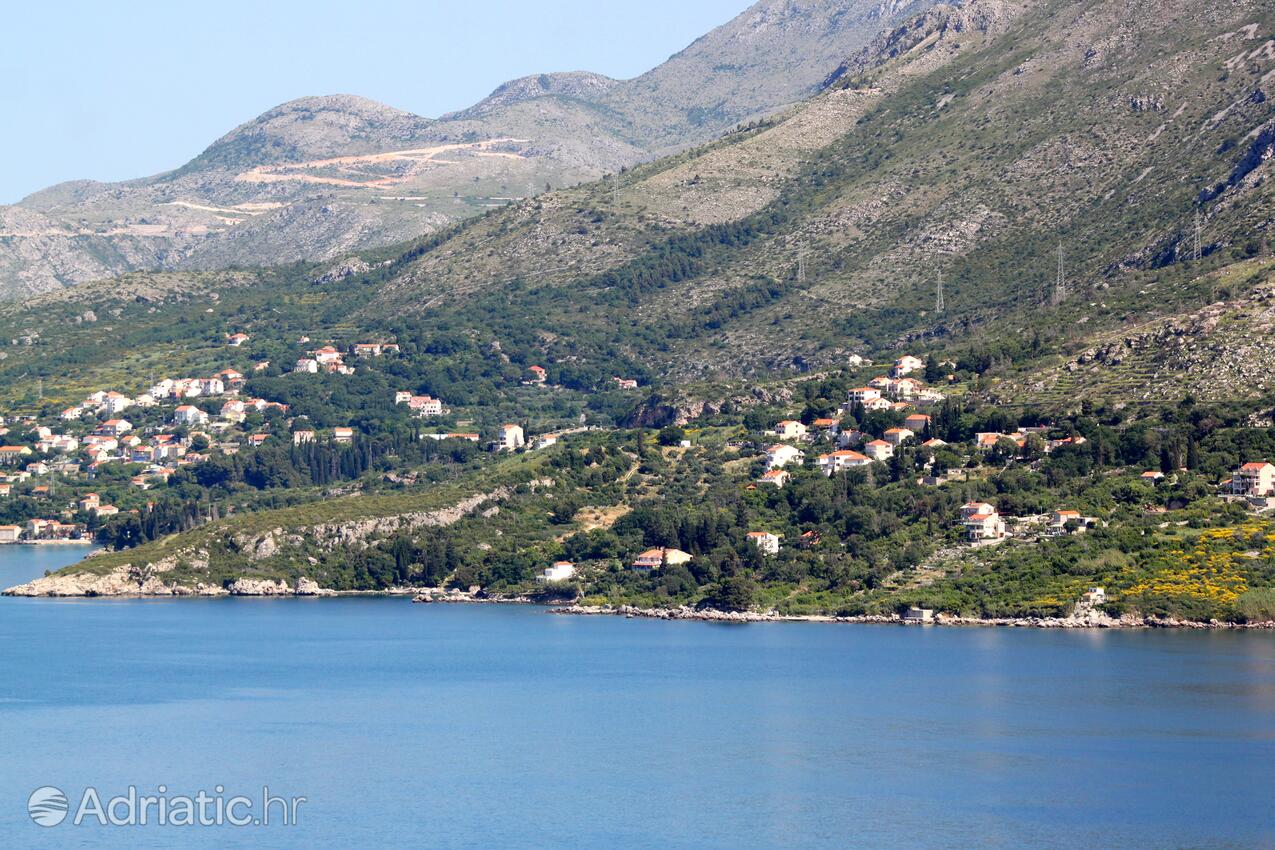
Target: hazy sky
[{"x": 112, "y": 91}]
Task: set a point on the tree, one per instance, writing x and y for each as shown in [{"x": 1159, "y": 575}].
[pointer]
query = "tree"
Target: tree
[{"x": 733, "y": 593}]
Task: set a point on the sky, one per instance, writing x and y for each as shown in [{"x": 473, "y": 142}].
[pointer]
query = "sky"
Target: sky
[{"x": 112, "y": 91}]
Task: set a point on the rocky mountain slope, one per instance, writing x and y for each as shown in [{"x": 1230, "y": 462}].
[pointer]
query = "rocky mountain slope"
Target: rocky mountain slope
[
  {"x": 321, "y": 176},
  {"x": 968, "y": 142}
]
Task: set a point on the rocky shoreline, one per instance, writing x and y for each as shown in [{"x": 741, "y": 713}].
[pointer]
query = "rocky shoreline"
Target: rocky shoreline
[
  {"x": 124, "y": 584},
  {"x": 1093, "y": 620}
]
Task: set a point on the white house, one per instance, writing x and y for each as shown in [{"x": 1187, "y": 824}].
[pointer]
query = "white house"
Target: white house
[
  {"x": 511, "y": 438},
  {"x": 1255, "y": 479},
  {"x": 906, "y": 365},
  {"x": 981, "y": 527},
  {"x": 776, "y": 478},
  {"x": 845, "y": 459},
  {"x": 188, "y": 414},
  {"x": 779, "y": 455},
  {"x": 790, "y": 429},
  {"x": 879, "y": 450},
  {"x": 898, "y": 436},
  {"x": 863, "y": 395},
  {"x": 560, "y": 571},
  {"x": 765, "y": 541},
  {"x": 306, "y": 365}
]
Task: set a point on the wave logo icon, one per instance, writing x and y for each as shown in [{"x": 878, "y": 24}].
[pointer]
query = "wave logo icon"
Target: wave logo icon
[{"x": 47, "y": 806}]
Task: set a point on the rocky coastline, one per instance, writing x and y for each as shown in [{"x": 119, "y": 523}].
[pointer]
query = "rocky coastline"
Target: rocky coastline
[
  {"x": 1093, "y": 620},
  {"x": 128, "y": 583}
]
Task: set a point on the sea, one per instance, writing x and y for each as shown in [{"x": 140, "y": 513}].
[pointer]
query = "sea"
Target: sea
[{"x": 373, "y": 722}]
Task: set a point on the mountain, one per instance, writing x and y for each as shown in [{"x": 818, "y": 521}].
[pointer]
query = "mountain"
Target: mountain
[
  {"x": 969, "y": 142},
  {"x": 318, "y": 177}
]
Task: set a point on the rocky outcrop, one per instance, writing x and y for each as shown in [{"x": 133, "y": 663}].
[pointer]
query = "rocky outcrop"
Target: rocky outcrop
[
  {"x": 127, "y": 580},
  {"x": 265, "y": 587}
]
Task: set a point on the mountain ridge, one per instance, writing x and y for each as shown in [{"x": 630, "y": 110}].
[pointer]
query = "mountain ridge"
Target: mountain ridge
[{"x": 260, "y": 183}]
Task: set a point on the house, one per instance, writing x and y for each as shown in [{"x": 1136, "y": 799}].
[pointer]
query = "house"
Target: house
[
  {"x": 790, "y": 429},
  {"x": 302, "y": 437},
  {"x": 809, "y": 539},
  {"x": 881, "y": 383},
  {"x": 1255, "y": 479},
  {"x": 13, "y": 454},
  {"x": 511, "y": 438},
  {"x": 863, "y": 395},
  {"x": 898, "y": 436},
  {"x": 780, "y": 455},
  {"x": 5, "y": 490},
  {"x": 654, "y": 559},
  {"x": 906, "y": 365},
  {"x": 918, "y": 615},
  {"x": 327, "y": 355},
  {"x": 342, "y": 435},
  {"x": 982, "y": 527},
  {"x": 234, "y": 411},
  {"x": 402, "y": 397},
  {"x": 969, "y": 509},
  {"x": 1152, "y": 477},
  {"x": 904, "y": 388},
  {"x": 104, "y": 510},
  {"x": 188, "y": 414},
  {"x": 10, "y": 533},
  {"x": 306, "y": 365},
  {"x": 934, "y": 443},
  {"x": 231, "y": 378},
  {"x": 765, "y": 541},
  {"x": 537, "y": 375},
  {"x": 626, "y": 383},
  {"x": 116, "y": 403},
  {"x": 1094, "y": 596},
  {"x": 257, "y": 440},
  {"x": 423, "y": 405},
  {"x": 850, "y": 437},
  {"x": 879, "y": 404},
  {"x": 828, "y": 426},
  {"x": 89, "y": 501},
  {"x": 560, "y": 571},
  {"x": 1063, "y": 521},
  {"x": 917, "y": 423},
  {"x": 844, "y": 459},
  {"x": 879, "y": 450},
  {"x": 116, "y": 427},
  {"x": 72, "y": 414},
  {"x": 237, "y": 339},
  {"x": 545, "y": 441},
  {"x": 776, "y": 478},
  {"x": 369, "y": 349}
]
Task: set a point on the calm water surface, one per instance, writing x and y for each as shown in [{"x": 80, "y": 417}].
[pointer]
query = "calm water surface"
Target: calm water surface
[{"x": 505, "y": 727}]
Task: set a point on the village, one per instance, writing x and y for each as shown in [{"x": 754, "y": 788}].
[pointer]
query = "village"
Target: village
[{"x": 145, "y": 439}]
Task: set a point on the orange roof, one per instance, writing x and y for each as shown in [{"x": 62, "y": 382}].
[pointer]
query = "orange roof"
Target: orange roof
[{"x": 1254, "y": 467}]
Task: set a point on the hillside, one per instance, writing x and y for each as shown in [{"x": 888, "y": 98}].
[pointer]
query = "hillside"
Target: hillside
[
  {"x": 318, "y": 177},
  {"x": 968, "y": 143},
  {"x": 1112, "y": 431}
]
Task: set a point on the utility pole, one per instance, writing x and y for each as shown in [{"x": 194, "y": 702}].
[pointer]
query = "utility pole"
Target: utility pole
[
  {"x": 1196, "y": 252},
  {"x": 1060, "y": 286},
  {"x": 940, "y": 305}
]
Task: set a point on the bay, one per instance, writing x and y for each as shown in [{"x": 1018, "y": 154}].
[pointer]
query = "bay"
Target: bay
[{"x": 504, "y": 726}]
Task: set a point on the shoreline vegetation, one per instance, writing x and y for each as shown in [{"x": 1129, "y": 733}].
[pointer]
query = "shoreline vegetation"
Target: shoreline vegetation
[{"x": 305, "y": 589}]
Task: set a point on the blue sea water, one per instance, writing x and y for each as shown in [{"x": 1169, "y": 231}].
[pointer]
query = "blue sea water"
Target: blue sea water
[{"x": 494, "y": 726}]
